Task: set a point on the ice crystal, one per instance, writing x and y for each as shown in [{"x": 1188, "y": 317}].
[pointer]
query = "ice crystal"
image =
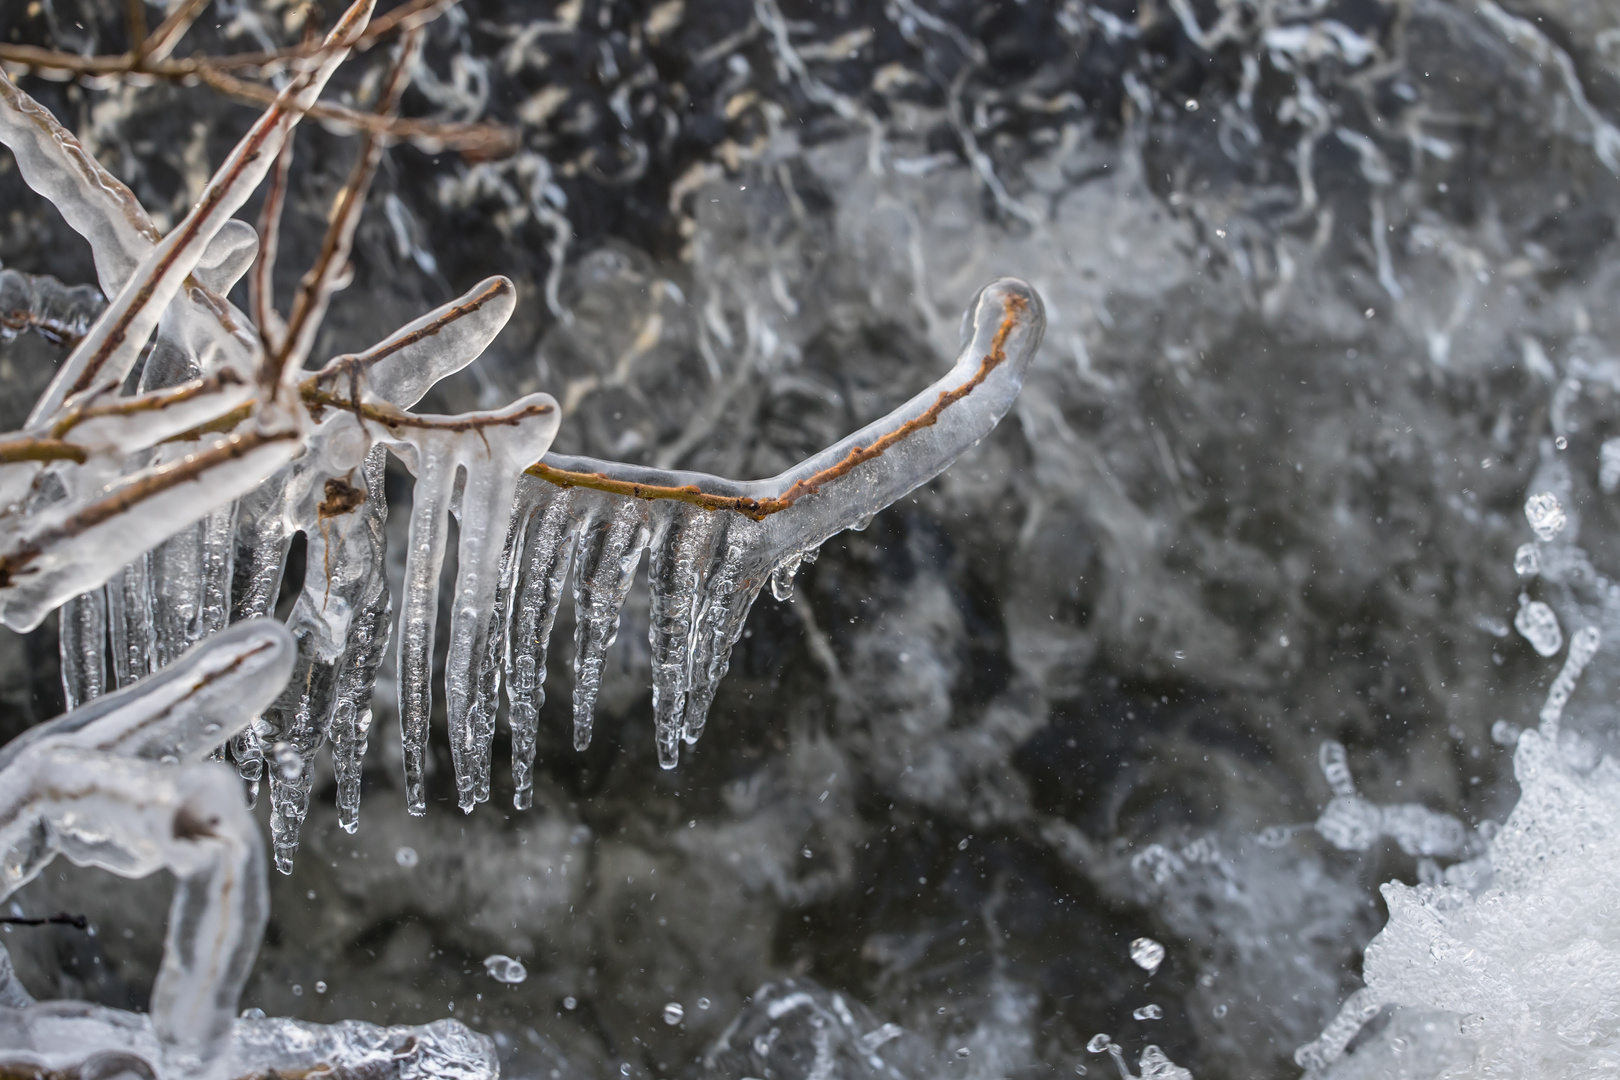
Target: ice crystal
[{"x": 156, "y": 518}]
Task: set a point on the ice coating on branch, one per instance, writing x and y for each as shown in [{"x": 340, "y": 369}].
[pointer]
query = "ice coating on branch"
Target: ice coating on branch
[
  {"x": 123, "y": 783},
  {"x": 160, "y": 517}
]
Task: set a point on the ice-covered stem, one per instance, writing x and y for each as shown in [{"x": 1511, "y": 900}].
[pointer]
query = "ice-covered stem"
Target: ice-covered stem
[
  {"x": 1017, "y": 315},
  {"x": 331, "y": 266},
  {"x": 60, "y": 313},
  {"x": 123, "y": 784},
  {"x": 715, "y": 542}
]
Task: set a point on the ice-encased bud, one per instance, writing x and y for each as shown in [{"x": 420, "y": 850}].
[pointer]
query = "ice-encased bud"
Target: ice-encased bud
[
  {"x": 1539, "y": 626},
  {"x": 1147, "y": 954},
  {"x": 1545, "y": 514},
  {"x": 1527, "y": 560}
]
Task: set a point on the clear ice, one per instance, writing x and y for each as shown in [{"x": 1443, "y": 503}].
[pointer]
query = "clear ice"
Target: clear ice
[
  {"x": 125, "y": 784},
  {"x": 156, "y": 518}
]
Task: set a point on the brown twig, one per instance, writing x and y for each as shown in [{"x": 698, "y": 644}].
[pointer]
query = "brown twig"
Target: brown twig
[
  {"x": 759, "y": 509},
  {"x": 161, "y": 42},
  {"x": 474, "y": 140},
  {"x": 261, "y": 283},
  {"x": 346, "y": 367},
  {"x": 319, "y": 282},
  {"x": 151, "y": 402},
  {"x": 13, "y": 451},
  {"x": 132, "y": 492}
]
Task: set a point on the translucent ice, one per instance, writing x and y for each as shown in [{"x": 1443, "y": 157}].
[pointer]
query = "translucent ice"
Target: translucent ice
[
  {"x": 1539, "y": 626},
  {"x": 1545, "y": 514},
  {"x": 1527, "y": 561},
  {"x": 1147, "y": 954},
  {"x": 504, "y": 969}
]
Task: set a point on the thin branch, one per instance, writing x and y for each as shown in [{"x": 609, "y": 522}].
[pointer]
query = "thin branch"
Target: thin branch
[
  {"x": 759, "y": 509},
  {"x": 162, "y": 41},
  {"x": 155, "y": 401},
  {"x": 346, "y": 367},
  {"x": 483, "y": 141},
  {"x": 131, "y": 493},
  {"x": 13, "y": 451},
  {"x": 320, "y": 281},
  {"x": 261, "y": 285}
]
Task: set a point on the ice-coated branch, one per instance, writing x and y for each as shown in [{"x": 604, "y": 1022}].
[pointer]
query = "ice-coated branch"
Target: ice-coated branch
[
  {"x": 123, "y": 784},
  {"x": 183, "y": 499}
]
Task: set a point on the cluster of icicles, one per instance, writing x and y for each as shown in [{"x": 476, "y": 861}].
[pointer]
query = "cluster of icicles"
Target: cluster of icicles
[{"x": 157, "y": 508}]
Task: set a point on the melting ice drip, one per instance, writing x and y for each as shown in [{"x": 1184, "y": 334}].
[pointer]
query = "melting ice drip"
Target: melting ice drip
[{"x": 159, "y": 517}]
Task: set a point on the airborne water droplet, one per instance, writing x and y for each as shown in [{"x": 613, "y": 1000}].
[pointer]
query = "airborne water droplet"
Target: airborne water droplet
[
  {"x": 1545, "y": 514},
  {"x": 674, "y": 1013},
  {"x": 1539, "y": 626},
  {"x": 1147, "y": 954},
  {"x": 504, "y": 969},
  {"x": 1099, "y": 1042},
  {"x": 1527, "y": 561},
  {"x": 1148, "y": 1012},
  {"x": 406, "y": 857},
  {"x": 703, "y": 1003}
]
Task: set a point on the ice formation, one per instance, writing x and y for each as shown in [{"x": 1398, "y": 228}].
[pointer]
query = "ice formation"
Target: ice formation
[
  {"x": 124, "y": 784},
  {"x": 157, "y": 517}
]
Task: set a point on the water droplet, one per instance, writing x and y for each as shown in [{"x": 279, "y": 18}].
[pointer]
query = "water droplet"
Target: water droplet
[
  {"x": 298, "y": 991},
  {"x": 1370, "y": 312},
  {"x": 673, "y": 1013},
  {"x": 1099, "y": 1042},
  {"x": 1220, "y": 1011},
  {"x": 406, "y": 857},
  {"x": 806, "y": 853},
  {"x": 1148, "y": 1012},
  {"x": 1561, "y": 442},
  {"x": 570, "y": 1003},
  {"x": 1539, "y": 626},
  {"x": 703, "y": 1003},
  {"x": 1079, "y": 1069},
  {"x": 1545, "y": 514},
  {"x": 1504, "y": 733},
  {"x": 504, "y": 969},
  {"x": 962, "y": 1051},
  {"x": 1147, "y": 954},
  {"x": 253, "y": 1014},
  {"x": 961, "y": 845},
  {"x": 1527, "y": 561},
  {"x": 1192, "y": 105},
  {"x": 320, "y": 987},
  {"x": 1180, "y": 654},
  {"x": 624, "y": 1070},
  {"x": 1282, "y": 639}
]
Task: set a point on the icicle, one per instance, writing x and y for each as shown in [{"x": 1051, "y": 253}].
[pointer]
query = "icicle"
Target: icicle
[
  {"x": 363, "y": 652},
  {"x": 486, "y": 510},
  {"x": 83, "y": 642},
  {"x": 419, "y": 616},
  {"x": 548, "y": 550},
  {"x": 609, "y": 552},
  {"x": 176, "y": 567},
  {"x": 129, "y": 618},
  {"x": 292, "y": 727},
  {"x": 733, "y": 586},
  {"x": 680, "y": 558}
]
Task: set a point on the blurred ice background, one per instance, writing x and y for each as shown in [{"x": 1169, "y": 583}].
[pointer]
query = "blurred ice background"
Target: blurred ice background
[{"x": 1331, "y": 288}]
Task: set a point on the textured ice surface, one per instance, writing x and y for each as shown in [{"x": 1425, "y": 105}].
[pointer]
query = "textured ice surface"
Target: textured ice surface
[{"x": 123, "y": 784}]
